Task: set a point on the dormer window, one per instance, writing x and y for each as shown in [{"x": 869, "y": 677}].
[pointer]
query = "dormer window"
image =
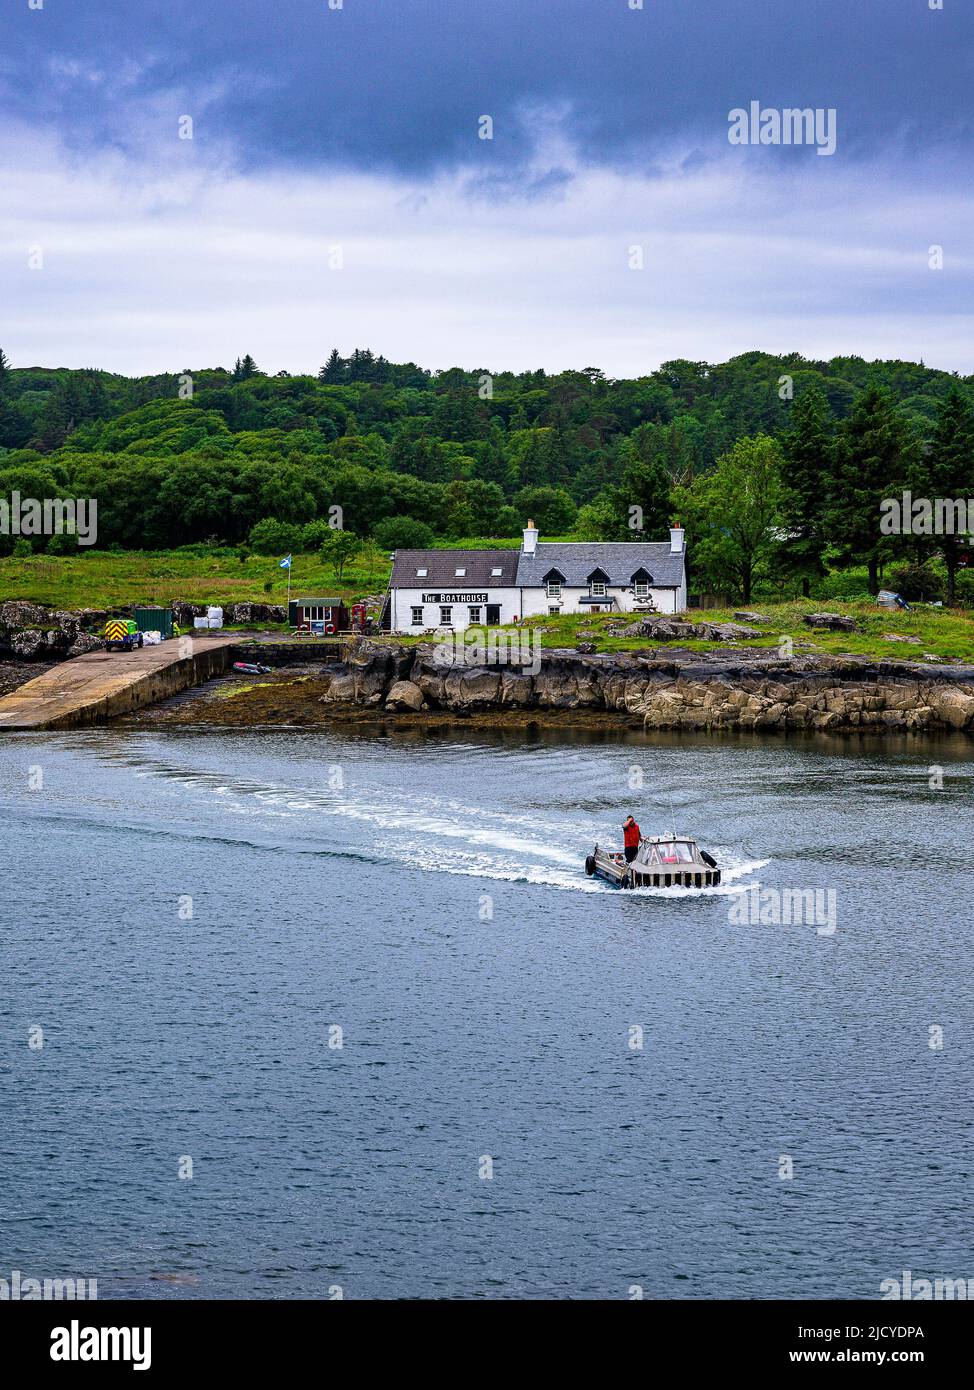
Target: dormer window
[
  {"x": 460, "y": 571},
  {"x": 641, "y": 581},
  {"x": 597, "y": 582},
  {"x": 553, "y": 581}
]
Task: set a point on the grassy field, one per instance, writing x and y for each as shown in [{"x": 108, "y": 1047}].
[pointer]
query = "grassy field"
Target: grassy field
[
  {"x": 944, "y": 633},
  {"x": 195, "y": 574},
  {"x": 101, "y": 579}
]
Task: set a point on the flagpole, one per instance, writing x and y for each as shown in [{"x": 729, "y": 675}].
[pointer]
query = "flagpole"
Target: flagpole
[{"x": 285, "y": 564}]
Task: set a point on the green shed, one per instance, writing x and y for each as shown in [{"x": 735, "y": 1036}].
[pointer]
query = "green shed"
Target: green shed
[{"x": 153, "y": 620}]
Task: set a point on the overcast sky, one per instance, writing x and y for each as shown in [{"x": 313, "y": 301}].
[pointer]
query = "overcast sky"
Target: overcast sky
[{"x": 336, "y": 192}]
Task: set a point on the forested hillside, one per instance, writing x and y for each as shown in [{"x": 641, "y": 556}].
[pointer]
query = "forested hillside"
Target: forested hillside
[{"x": 408, "y": 455}]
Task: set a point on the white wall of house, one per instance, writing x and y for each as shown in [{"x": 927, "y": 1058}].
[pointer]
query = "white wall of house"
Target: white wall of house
[
  {"x": 468, "y": 607},
  {"x": 537, "y": 601}
]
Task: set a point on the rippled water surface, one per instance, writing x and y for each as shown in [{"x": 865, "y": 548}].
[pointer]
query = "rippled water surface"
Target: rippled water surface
[{"x": 426, "y": 895}]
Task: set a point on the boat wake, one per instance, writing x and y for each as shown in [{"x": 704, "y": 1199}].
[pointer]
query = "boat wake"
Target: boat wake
[{"x": 430, "y": 834}]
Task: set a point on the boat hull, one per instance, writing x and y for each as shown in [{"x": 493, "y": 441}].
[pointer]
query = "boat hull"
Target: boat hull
[{"x": 611, "y": 867}]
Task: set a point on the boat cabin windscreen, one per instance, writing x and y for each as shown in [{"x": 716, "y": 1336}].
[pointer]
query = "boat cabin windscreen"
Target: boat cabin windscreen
[{"x": 675, "y": 852}]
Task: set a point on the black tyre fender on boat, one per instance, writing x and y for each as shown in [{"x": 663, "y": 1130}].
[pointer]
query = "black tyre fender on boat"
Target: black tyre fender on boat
[
  {"x": 708, "y": 859},
  {"x": 590, "y": 864}
]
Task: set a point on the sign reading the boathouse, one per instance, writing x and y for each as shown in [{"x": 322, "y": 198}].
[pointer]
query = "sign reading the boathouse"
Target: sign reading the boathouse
[{"x": 454, "y": 598}]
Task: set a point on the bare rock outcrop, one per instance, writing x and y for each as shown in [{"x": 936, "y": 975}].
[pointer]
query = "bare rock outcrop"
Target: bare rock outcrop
[
  {"x": 675, "y": 630},
  {"x": 84, "y": 643},
  {"x": 17, "y": 614},
  {"x": 832, "y": 622},
  {"x": 405, "y": 695}
]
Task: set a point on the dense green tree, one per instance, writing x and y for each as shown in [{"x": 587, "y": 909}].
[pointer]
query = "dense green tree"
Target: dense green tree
[
  {"x": 550, "y": 508},
  {"x": 338, "y": 549},
  {"x": 480, "y": 501},
  {"x": 335, "y": 369},
  {"x": 734, "y": 513},
  {"x": 949, "y": 466},
  {"x": 456, "y": 416},
  {"x": 491, "y": 464},
  {"x": 15, "y": 427},
  {"x": 533, "y": 454},
  {"x": 507, "y": 523},
  {"x": 807, "y": 469},
  {"x": 640, "y": 507},
  {"x": 876, "y": 452},
  {"x": 598, "y": 520},
  {"x": 244, "y": 368}
]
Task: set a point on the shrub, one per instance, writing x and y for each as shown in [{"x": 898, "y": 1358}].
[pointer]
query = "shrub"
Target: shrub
[
  {"x": 917, "y": 583},
  {"x": 273, "y": 537},
  {"x": 844, "y": 584},
  {"x": 315, "y": 534},
  {"x": 62, "y": 544},
  {"x": 403, "y": 533},
  {"x": 964, "y": 587}
]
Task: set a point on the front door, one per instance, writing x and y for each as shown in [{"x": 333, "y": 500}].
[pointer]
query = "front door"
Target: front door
[{"x": 493, "y": 614}]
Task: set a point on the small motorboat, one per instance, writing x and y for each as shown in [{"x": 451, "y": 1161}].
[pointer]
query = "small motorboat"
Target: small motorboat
[
  {"x": 251, "y": 668},
  {"x": 662, "y": 861}
]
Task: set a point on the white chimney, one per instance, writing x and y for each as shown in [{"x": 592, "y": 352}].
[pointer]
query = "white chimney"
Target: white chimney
[
  {"x": 530, "y": 538},
  {"x": 676, "y": 539}
]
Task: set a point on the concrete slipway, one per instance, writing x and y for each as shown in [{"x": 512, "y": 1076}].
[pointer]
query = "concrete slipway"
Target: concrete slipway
[{"x": 101, "y": 685}]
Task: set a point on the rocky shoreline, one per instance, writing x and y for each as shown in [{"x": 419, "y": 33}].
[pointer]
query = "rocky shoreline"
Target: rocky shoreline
[
  {"x": 654, "y": 688},
  {"x": 672, "y": 690},
  {"x": 751, "y": 689}
]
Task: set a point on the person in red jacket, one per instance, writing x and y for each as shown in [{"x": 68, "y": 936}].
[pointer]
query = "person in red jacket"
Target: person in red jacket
[{"x": 630, "y": 836}]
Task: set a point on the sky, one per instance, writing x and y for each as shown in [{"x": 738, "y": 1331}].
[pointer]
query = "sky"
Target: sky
[{"x": 184, "y": 181}]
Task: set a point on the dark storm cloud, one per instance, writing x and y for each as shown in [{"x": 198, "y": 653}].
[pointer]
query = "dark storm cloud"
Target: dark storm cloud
[{"x": 398, "y": 85}]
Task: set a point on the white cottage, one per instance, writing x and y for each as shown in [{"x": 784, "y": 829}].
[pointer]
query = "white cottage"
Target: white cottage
[
  {"x": 602, "y": 576},
  {"x": 457, "y": 589},
  {"x": 452, "y": 589}
]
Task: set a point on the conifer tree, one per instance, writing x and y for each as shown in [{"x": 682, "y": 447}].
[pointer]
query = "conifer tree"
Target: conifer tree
[
  {"x": 876, "y": 452},
  {"x": 808, "y": 462},
  {"x": 950, "y": 469}
]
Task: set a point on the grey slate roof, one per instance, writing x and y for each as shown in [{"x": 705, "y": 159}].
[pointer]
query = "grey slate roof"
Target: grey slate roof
[
  {"x": 619, "y": 560},
  {"x": 442, "y": 564}
]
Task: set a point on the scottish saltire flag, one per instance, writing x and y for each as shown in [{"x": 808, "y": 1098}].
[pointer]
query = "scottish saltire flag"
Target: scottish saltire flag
[{"x": 286, "y": 563}]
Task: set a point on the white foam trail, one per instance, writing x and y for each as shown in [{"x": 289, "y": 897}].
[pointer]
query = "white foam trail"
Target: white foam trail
[{"x": 429, "y": 822}]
